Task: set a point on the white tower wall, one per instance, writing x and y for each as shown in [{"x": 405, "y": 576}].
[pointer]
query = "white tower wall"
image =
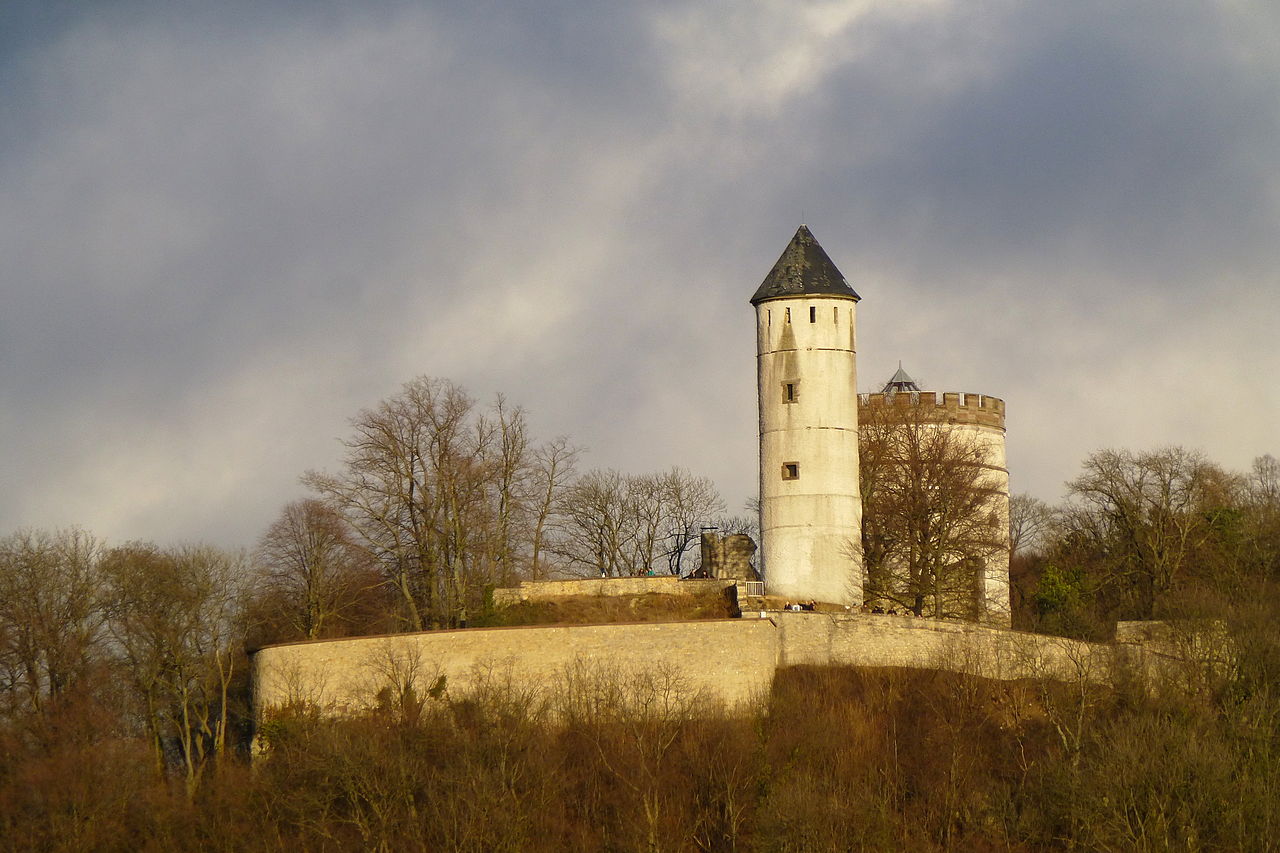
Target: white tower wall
[
  {"x": 979, "y": 419},
  {"x": 809, "y": 523},
  {"x": 995, "y": 577}
]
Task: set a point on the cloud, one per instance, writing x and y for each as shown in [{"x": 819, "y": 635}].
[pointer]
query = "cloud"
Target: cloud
[{"x": 225, "y": 229}]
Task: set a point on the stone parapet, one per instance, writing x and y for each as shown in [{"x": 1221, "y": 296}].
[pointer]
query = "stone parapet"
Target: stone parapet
[{"x": 948, "y": 407}]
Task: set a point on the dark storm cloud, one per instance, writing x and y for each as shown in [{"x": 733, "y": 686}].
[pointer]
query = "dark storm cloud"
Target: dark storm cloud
[
  {"x": 1110, "y": 138},
  {"x": 995, "y": 136},
  {"x": 225, "y": 228}
]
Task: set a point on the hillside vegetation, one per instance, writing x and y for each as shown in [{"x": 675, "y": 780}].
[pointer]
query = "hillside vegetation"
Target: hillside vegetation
[{"x": 834, "y": 759}]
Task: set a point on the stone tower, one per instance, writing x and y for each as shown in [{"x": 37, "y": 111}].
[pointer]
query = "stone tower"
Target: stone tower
[
  {"x": 810, "y": 505},
  {"x": 979, "y": 420}
]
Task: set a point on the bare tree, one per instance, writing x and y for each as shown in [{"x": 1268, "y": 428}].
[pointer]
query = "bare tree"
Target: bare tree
[
  {"x": 397, "y": 490},
  {"x": 1030, "y": 521},
  {"x": 748, "y": 524},
  {"x": 1263, "y": 511},
  {"x": 311, "y": 565},
  {"x": 1264, "y": 480},
  {"x": 173, "y": 615},
  {"x": 512, "y": 470},
  {"x": 615, "y": 524},
  {"x": 553, "y": 470},
  {"x": 595, "y": 525},
  {"x": 690, "y": 503},
  {"x": 441, "y": 494},
  {"x": 50, "y": 615},
  {"x": 931, "y": 519},
  {"x": 648, "y": 522},
  {"x": 1140, "y": 515}
]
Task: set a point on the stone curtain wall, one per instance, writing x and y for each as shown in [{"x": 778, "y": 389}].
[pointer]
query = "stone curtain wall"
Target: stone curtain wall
[
  {"x": 554, "y": 590},
  {"x": 902, "y": 641},
  {"x": 731, "y": 660}
]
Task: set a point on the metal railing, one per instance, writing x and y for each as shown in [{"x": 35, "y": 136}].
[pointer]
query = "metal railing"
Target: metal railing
[{"x": 755, "y": 587}]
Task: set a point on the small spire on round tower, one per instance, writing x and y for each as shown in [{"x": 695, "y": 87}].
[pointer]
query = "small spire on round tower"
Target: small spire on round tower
[{"x": 901, "y": 381}]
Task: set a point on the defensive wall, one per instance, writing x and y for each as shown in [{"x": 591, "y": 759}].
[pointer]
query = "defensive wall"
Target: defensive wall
[
  {"x": 729, "y": 660},
  {"x": 556, "y": 590},
  {"x": 902, "y": 641}
]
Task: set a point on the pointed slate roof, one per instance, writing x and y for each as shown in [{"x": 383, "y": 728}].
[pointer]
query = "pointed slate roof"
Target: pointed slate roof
[
  {"x": 803, "y": 268},
  {"x": 901, "y": 381}
]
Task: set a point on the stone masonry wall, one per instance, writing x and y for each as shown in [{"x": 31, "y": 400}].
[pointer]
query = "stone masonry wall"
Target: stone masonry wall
[
  {"x": 732, "y": 660},
  {"x": 729, "y": 659},
  {"x": 550, "y": 590},
  {"x": 728, "y": 556},
  {"x": 901, "y": 641}
]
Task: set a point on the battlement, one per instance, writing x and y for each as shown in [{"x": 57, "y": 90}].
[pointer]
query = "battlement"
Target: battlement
[{"x": 949, "y": 407}]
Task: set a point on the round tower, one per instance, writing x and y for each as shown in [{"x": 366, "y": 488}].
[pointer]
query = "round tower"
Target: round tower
[
  {"x": 810, "y": 508},
  {"x": 977, "y": 421}
]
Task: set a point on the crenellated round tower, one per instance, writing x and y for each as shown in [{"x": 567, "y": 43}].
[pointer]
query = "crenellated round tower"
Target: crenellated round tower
[
  {"x": 977, "y": 418},
  {"x": 810, "y": 506}
]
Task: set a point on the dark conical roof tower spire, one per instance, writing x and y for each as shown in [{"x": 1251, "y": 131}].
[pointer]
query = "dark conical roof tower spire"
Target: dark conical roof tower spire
[
  {"x": 803, "y": 269},
  {"x": 901, "y": 381}
]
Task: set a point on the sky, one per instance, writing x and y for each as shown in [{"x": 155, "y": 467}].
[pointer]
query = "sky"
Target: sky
[{"x": 226, "y": 228}]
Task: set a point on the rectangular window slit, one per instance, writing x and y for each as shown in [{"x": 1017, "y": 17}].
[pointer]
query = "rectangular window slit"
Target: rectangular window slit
[
  {"x": 791, "y": 470},
  {"x": 813, "y": 314}
]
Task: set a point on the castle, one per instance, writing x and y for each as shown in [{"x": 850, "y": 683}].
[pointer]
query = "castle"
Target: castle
[{"x": 811, "y": 506}]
